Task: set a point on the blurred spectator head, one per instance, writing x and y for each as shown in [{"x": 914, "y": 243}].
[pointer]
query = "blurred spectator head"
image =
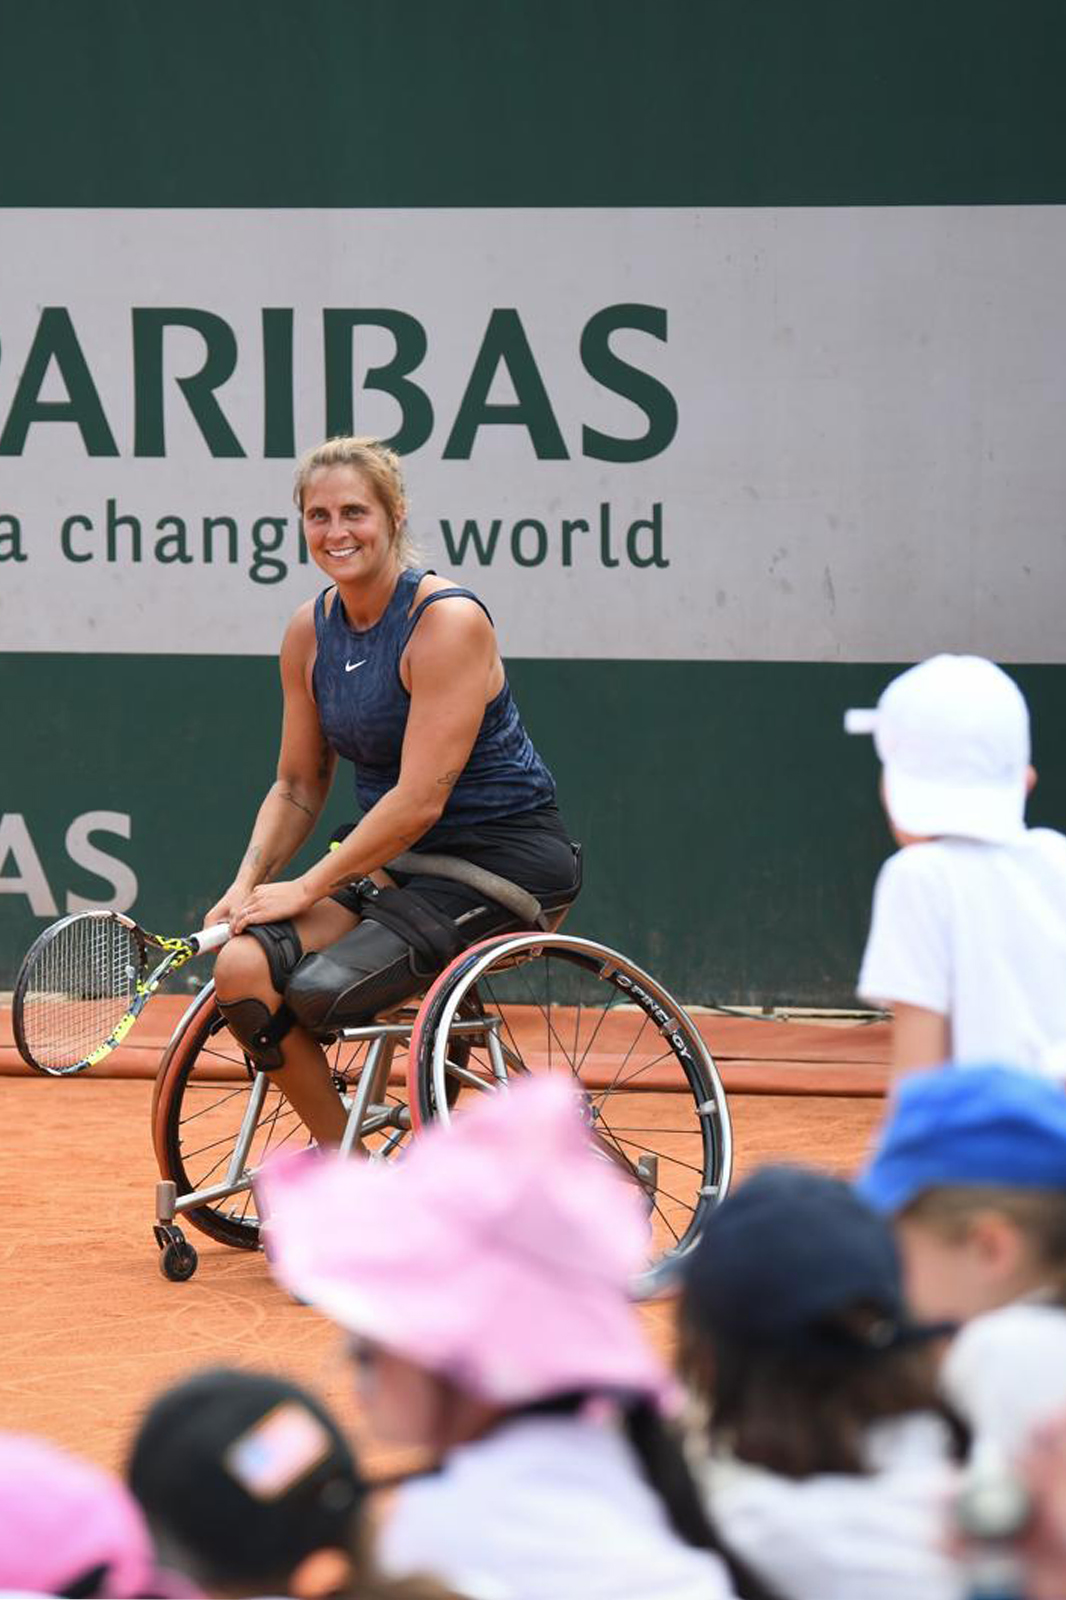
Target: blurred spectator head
[
  {"x": 794, "y": 1328},
  {"x": 972, "y": 1163},
  {"x": 492, "y": 1263},
  {"x": 246, "y": 1480},
  {"x": 68, "y": 1527},
  {"x": 953, "y": 736}
]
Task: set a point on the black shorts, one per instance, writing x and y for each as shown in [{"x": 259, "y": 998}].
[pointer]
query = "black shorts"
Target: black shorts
[{"x": 532, "y": 849}]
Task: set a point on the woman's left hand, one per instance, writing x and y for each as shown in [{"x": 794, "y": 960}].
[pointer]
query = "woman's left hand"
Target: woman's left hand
[{"x": 273, "y": 902}]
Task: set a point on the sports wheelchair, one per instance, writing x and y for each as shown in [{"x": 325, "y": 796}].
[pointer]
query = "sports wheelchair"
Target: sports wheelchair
[{"x": 517, "y": 1002}]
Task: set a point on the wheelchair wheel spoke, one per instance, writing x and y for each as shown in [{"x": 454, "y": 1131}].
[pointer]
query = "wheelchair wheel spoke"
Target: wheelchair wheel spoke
[
  {"x": 658, "y": 1133},
  {"x": 552, "y": 1031},
  {"x": 590, "y": 1045},
  {"x": 472, "y": 1080},
  {"x": 205, "y": 1149},
  {"x": 212, "y": 1104},
  {"x": 618, "y": 1084},
  {"x": 217, "y": 1166},
  {"x": 602, "y": 1132},
  {"x": 556, "y": 1004},
  {"x": 654, "y": 1150},
  {"x": 297, "y": 1127},
  {"x": 617, "y": 1079},
  {"x": 501, "y": 1011},
  {"x": 665, "y": 1220},
  {"x": 230, "y": 1057},
  {"x": 204, "y": 1111}
]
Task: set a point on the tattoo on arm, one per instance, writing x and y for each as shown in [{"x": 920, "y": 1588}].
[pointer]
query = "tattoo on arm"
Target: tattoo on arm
[
  {"x": 345, "y": 879},
  {"x": 449, "y": 780},
  {"x": 253, "y": 857},
  {"x": 287, "y": 794}
]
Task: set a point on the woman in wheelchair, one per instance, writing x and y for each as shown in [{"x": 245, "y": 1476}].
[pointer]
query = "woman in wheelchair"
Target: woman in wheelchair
[{"x": 397, "y": 671}]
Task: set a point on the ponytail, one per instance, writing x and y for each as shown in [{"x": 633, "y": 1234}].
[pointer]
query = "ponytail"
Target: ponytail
[
  {"x": 664, "y": 1467},
  {"x": 662, "y": 1461}
]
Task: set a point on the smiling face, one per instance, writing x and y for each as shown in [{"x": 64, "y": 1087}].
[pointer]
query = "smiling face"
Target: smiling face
[{"x": 348, "y": 530}]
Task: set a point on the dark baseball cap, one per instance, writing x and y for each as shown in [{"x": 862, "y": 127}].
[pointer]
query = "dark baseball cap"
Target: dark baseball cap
[
  {"x": 241, "y": 1475},
  {"x": 785, "y": 1256}
]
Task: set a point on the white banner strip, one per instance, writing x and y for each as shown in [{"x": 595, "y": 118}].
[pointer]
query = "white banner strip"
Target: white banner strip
[{"x": 734, "y": 434}]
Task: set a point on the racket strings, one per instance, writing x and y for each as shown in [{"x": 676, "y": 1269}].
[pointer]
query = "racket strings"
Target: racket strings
[{"x": 82, "y": 984}]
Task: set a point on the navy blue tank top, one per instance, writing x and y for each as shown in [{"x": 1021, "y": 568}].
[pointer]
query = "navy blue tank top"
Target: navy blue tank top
[{"x": 363, "y": 706}]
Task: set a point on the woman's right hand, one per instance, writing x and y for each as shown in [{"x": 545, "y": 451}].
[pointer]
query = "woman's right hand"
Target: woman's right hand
[{"x": 225, "y": 909}]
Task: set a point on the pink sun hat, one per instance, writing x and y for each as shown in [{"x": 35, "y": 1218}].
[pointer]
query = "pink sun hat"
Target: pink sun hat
[
  {"x": 65, "y": 1520},
  {"x": 498, "y": 1252}
]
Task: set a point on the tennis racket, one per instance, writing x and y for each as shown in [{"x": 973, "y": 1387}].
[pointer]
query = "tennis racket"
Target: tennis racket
[{"x": 84, "y": 983}]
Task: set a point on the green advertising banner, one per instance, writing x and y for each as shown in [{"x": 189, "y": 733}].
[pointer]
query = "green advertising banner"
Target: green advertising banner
[{"x": 723, "y": 344}]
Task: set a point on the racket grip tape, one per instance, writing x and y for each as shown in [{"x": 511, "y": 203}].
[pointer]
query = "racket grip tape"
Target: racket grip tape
[{"x": 210, "y": 938}]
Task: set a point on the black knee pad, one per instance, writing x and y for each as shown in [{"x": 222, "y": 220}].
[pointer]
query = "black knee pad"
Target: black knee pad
[
  {"x": 367, "y": 971},
  {"x": 258, "y": 1029},
  {"x": 281, "y": 945}
]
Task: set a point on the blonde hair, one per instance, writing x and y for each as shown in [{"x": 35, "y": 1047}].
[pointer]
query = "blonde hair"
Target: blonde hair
[
  {"x": 1038, "y": 1214},
  {"x": 377, "y": 463}
]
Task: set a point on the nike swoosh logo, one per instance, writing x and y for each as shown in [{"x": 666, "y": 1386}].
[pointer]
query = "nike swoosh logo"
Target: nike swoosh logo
[{"x": 350, "y": 666}]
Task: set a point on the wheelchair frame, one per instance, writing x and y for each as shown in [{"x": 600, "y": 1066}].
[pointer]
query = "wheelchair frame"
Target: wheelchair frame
[{"x": 433, "y": 1074}]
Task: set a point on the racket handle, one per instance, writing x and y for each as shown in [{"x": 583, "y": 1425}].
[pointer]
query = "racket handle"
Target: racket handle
[{"x": 211, "y": 938}]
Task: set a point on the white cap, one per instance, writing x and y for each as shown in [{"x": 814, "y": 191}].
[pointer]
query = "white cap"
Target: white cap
[{"x": 953, "y": 735}]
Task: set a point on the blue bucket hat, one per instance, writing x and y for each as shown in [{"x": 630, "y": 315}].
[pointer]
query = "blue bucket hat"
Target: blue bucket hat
[
  {"x": 784, "y": 1255},
  {"x": 968, "y": 1125}
]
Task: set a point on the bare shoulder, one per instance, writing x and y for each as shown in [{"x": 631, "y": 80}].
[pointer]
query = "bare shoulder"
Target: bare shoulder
[
  {"x": 433, "y": 583},
  {"x": 462, "y": 618},
  {"x": 452, "y": 639},
  {"x": 300, "y": 627},
  {"x": 459, "y": 623},
  {"x": 298, "y": 645}
]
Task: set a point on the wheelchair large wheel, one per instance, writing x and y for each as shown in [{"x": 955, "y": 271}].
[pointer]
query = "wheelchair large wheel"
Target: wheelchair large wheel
[
  {"x": 521, "y": 1003},
  {"x": 203, "y": 1091}
]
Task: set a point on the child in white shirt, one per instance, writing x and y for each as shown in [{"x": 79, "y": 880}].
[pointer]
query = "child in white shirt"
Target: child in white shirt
[
  {"x": 972, "y": 1169},
  {"x": 967, "y": 942}
]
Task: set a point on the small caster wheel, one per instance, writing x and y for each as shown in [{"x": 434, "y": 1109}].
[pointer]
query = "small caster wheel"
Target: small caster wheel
[{"x": 178, "y": 1261}]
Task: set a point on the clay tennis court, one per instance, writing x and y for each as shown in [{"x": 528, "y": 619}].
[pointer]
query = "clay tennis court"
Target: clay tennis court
[{"x": 92, "y": 1328}]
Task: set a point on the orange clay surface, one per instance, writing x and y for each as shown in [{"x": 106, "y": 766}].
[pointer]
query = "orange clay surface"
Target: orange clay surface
[
  {"x": 92, "y": 1330},
  {"x": 754, "y": 1055}
]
